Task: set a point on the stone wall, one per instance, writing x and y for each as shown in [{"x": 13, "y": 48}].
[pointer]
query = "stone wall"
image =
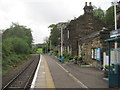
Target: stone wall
[
  {"x": 93, "y": 41},
  {"x": 80, "y": 27},
  {"x": 87, "y": 47}
]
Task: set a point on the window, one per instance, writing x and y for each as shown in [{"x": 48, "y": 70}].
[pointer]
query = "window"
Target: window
[{"x": 68, "y": 34}]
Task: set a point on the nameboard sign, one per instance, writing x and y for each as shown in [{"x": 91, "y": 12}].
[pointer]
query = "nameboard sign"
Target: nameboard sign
[
  {"x": 115, "y": 33},
  {"x": 98, "y": 53}
]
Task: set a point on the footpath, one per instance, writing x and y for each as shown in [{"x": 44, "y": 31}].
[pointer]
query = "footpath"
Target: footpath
[
  {"x": 53, "y": 74},
  {"x": 90, "y": 77},
  {"x": 42, "y": 77}
]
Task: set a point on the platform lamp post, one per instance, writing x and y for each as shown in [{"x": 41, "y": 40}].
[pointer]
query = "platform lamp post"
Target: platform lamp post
[
  {"x": 115, "y": 19},
  {"x": 61, "y": 26}
]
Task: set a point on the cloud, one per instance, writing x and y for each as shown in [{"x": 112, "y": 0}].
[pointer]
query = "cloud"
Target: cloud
[
  {"x": 48, "y": 12},
  {"x": 39, "y": 14}
]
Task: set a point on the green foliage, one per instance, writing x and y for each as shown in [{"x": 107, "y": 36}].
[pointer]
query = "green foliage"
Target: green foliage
[
  {"x": 111, "y": 66},
  {"x": 56, "y": 52},
  {"x": 82, "y": 54},
  {"x": 7, "y": 47},
  {"x": 52, "y": 26},
  {"x": 19, "y": 31},
  {"x": 12, "y": 60},
  {"x": 16, "y": 45},
  {"x": 54, "y": 35},
  {"x": 34, "y": 48},
  {"x": 99, "y": 13},
  {"x": 109, "y": 17},
  {"x": 20, "y": 46},
  {"x": 39, "y": 50},
  {"x": 46, "y": 47},
  {"x": 65, "y": 54},
  {"x": 106, "y": 66},
  {"x": 106, "y": 17},
  {"x": 77, "y": 58}
]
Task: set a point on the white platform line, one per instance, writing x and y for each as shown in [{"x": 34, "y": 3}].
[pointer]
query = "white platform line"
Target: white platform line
[
  {"x": 35, "y": 76},
  {"x": 77, "y": 80}
]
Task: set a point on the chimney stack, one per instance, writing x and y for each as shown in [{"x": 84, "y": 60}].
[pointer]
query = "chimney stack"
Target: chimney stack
[
  {"x": 90, "y": 4},
  {"x": 85, "y": 3}
]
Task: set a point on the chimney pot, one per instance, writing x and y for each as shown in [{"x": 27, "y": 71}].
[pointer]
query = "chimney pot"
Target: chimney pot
[
  {"x": 90, "y": 4},
  {"x": 85, "y": 3}
]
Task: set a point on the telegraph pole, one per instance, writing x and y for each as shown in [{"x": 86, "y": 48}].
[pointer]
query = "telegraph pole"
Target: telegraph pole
[
  {"x": 115, "y": 3},
  {"x": 115, "y": 19},
  {"x": 61, "y": 26}
]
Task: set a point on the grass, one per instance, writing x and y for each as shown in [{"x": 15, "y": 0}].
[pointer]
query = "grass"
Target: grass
[
  {"x": 39, "y": 50},
  {"x": 12, "y": 61}
]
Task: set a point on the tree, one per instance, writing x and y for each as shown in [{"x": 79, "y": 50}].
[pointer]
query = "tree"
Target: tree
[
  {"x": 16, "y": 44},
  {"x": 19, "y": 31},
  {"x": 20, "y": 46},
  {"x": 54, "y": 35},
  {"x": 99, "y": 13},
  {"x": 109, "y": 17},
  {"x": 52, "y": 26}
]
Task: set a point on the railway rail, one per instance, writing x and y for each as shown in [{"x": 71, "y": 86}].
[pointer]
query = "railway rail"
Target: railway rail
[{"x": 23, "y": 79}]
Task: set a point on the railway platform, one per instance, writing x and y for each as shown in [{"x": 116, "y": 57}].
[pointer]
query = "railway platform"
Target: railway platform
[{"x": 42, "y": 77}]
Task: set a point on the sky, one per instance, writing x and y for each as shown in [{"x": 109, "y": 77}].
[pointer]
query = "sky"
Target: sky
[{"x": 39, "y": 14}]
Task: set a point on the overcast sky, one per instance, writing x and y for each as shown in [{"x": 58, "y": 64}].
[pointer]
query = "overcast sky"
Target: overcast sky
[{"x": 39, "y": 14}]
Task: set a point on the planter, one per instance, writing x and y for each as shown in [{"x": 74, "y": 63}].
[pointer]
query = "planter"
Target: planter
[{"x": 85, "y": 65}]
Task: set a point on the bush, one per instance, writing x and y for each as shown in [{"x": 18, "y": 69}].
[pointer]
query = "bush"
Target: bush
[
  {"x": 56, "y": 52},
  {"x": 12, "y": 60},
  {"x": 16, "y": 45},
  {"x": 82, "y": 53},
  {"x": 65, "y": 54},
  {"x": 70, "y": 57},
  {"x": 77, "y": 58},
  {"x": 20, "y": 46}
]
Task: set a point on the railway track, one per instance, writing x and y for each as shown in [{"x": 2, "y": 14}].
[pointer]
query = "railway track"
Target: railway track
[{"x": 23, "y": 79}]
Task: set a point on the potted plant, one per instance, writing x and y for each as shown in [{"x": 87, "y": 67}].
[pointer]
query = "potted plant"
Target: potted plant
[
  {"x": 75, "y": 59},
  {"x": 106, "y": 71},
  {"x": 79, "y": 59}
]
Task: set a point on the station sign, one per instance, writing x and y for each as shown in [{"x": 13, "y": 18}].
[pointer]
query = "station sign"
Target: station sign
[
  {"x": 115, "y": 33},
  {"x": 98, "y": 54}
]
